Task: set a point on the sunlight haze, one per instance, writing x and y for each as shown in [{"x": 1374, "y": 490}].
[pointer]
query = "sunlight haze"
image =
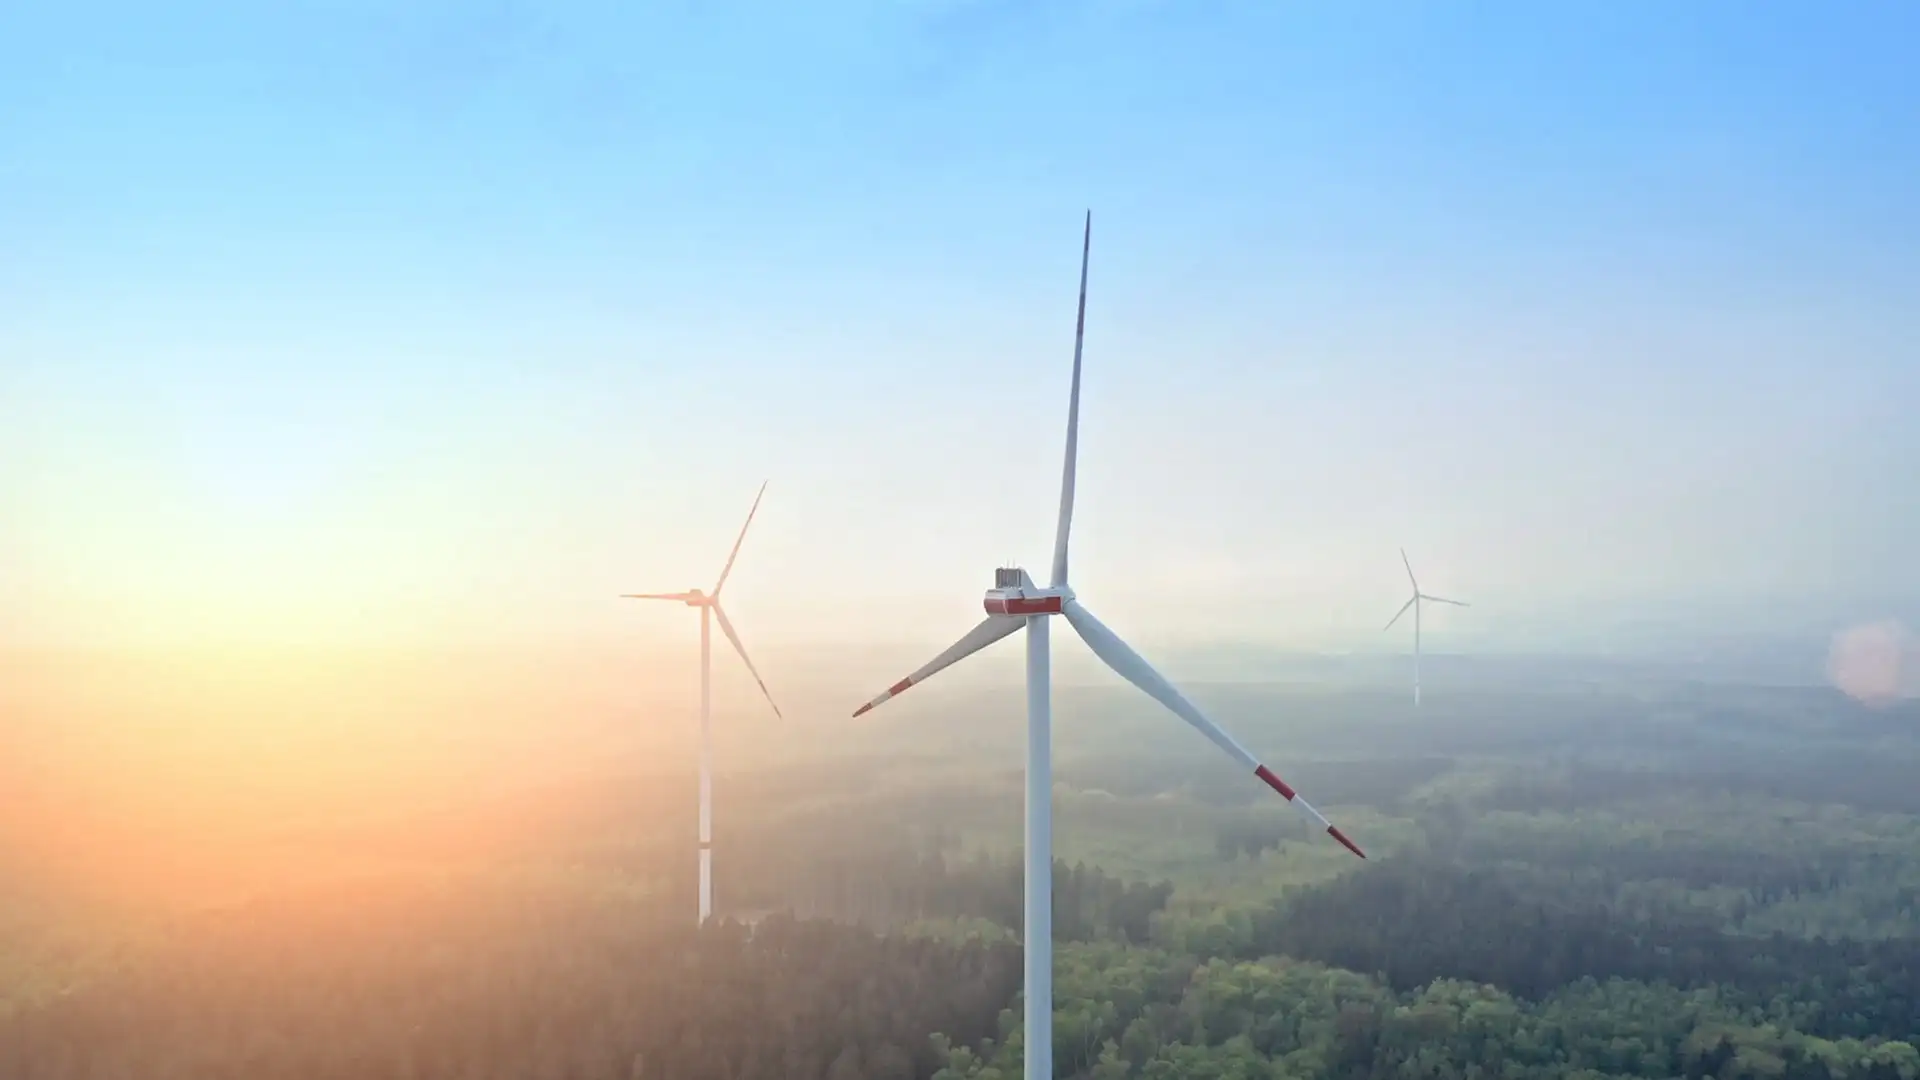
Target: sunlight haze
[
  {"x": 383, "y": 386},
  {"x": 354, "y": 357}
]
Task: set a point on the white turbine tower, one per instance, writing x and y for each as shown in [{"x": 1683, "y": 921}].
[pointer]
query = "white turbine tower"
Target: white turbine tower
[
  {"x": 1414, "y": 602},
  {"x": 711, "y": 611},
  {"x": 1015, "y": 602}
]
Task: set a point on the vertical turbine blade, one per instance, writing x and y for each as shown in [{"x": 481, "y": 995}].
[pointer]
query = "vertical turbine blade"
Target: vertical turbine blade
[
  {"x": 986, "y": 633},
  {"x": 1119, "y": 656},
  {"x": 735, "y": 553},
  {"x": 726, "y": 627},
  {"x": 1068, "y": 468},
  {"x": 1411, "y": 600},
  {"x": 1409, "y": 566}
]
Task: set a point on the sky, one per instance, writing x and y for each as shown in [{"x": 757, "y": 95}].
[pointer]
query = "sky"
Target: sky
[{"x": 350, "y": 324}]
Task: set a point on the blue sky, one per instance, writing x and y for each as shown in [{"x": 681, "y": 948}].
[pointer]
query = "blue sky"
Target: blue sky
[{"x": 355, "y": 320}]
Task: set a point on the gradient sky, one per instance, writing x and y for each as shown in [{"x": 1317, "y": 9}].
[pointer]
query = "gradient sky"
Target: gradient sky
[{"x": 371, "y": 321}]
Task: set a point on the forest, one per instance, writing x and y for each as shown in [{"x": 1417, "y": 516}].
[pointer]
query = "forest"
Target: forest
[{"x": 1635, "y": 881}]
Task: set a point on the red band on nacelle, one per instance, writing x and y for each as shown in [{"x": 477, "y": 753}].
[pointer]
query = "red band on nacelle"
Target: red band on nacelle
[
  {"x": 1274, "y": 782},
  {"x": 1023, "y": 605}
]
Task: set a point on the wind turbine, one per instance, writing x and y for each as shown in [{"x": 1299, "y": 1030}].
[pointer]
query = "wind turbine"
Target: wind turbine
[
  {"x": 1015, "y": 603},
  {"x": 710, "y": 612},
  {"x": 1414, "y": 602}
]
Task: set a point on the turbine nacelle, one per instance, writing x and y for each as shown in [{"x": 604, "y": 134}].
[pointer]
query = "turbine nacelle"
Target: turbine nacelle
[{"x": 1015, "y": 594}]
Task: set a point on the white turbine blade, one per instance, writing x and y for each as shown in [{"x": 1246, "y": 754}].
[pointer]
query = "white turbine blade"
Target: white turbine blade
[
  {"x": 1409, "y": 566},
  {"x": 735, "y": 553},
  {"x": 1069, "y": 466},
  {"x": 1119, "y": 656},
  {"x": 1444, "y": 600},
  {"x": 1403, "y": 610},
  {"x": 676, "y": 596},
  {"x": 726, "y": 627},
  {"x": 993, "y": 629}
]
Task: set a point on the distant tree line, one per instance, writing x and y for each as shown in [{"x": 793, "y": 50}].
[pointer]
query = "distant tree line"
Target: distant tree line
[
  {"x": 1370, "y": 782},
  {"x": 1246, "y": 835},
  {"x": 882, "y": 883},
  {"x": 1415, "y": 920},
  {"x": 462, "y": 984},
  {"x": 1155, "y": 1015},
  {"x": 1865, "y": 778},
  {"x": 1767, "y": 876}
]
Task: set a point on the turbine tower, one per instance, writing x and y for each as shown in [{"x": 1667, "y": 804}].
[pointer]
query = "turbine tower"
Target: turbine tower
[
  {"x": 1414, "y": 602},
  {"x": 711, "y": 612},
  {"x": 1015, "y": 603}
]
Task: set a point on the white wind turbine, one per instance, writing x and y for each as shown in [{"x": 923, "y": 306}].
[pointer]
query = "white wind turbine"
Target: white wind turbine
[
  {"x": 1414, "y": 602},
  {"x": 1015, "y": 602},
  {"x": 711, "y": 611}
]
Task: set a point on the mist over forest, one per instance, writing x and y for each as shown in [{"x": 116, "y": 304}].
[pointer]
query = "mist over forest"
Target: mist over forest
[{"x": 1606, "y": 875}]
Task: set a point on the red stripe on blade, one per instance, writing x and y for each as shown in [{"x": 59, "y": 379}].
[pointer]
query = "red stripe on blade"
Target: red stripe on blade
[
  {"x": 1334, "y": 831},
  {"x": 868, "y": 707},
  {"x": 1274, "y": 782},
  {"x": 899, "y": 687}
]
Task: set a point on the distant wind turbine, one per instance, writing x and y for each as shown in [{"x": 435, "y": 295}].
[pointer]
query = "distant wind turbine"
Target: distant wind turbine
[
  {"x": 1015, "y": 603},
  {"x": 1414, "y": 602},
  {"x": 711, "y": 611}
]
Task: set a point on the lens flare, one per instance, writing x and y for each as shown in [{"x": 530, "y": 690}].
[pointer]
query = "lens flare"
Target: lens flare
[{"x": 1876, "y": 663}]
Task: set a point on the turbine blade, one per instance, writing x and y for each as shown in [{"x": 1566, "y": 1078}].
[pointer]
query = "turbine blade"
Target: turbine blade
[
  {"x": 1119, "y": 656},
  {"x": 1069, "y": 466},
  {"x": 726, "y": 627},
  {"x": 1444, "y": 600},
  {"x": 1411, "y": 600},
  {"x": 677, "y": 596},
  {"x": 1409, "y": 566},
  {"x": 993, "y": 629},
  {"x": 735, "y": 553}
]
